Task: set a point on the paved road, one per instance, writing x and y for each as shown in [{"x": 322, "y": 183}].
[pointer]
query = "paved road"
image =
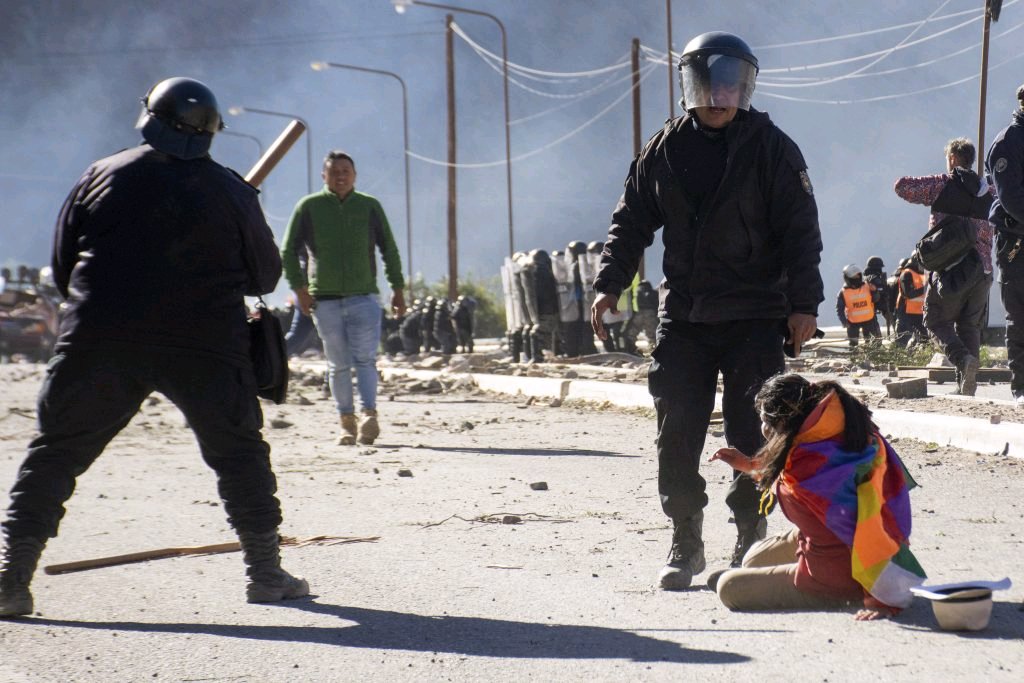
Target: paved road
[{"x": 449, "y": 594}]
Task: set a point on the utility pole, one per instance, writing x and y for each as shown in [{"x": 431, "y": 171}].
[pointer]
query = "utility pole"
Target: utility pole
[
  {"x": 671, "y": 80},
  {"x": 991, "y": 14},
  {"x": 635, "y": 63},
  {"x": 453, "y": 243}
]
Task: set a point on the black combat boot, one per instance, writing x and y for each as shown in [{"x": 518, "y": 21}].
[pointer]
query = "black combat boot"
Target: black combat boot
[
  {"x": 748, "y": 532},
  {"x": 686, "y": 556},
  {"x": 267, "y": 581},
  {"x": 967, "y": 381},
  {"x": 16, "y": 569}
]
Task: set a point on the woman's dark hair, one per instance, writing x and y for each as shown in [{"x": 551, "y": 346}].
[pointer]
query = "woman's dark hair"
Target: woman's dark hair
[{"x": 785, "y": 401}]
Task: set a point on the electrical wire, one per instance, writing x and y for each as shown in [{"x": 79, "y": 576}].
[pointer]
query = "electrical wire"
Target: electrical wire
[
  {"x": 659, "y": 57},
  {"x": 558, "y": 107},
  {"x": 526, "y": 70},
  {"x": 489, "y": 164},
  {"x": 498, "y": 67},
  {"x": 881, "y": 98},
  {"x": 861, "y": 34},
  {"x": 887, "y": 72},
  {"x": 884, "y": 54}
]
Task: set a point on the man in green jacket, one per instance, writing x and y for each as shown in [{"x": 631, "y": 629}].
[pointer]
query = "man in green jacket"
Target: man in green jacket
[{"x": 339, "y": 230}]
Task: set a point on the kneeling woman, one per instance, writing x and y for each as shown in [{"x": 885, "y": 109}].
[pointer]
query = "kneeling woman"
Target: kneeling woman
[{"x": 846, "y": 491}]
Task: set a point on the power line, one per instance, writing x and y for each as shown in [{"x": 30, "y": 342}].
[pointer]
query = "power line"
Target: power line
[
  {"x": 526, "y": 70},
  {"x": 488, "y": 164},
  {"x": 497, "y": 66},
  {"x": 861, "y": 34},
  {"x": 906, "y": 42},
  {"x": 881, "y": 98},
  {"x": 946, "y": 55}
]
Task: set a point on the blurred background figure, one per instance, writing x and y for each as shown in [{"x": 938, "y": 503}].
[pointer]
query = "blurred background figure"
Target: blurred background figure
[
  {"x": 855, "y": 306},
  {"x": 463, "y": 316}
]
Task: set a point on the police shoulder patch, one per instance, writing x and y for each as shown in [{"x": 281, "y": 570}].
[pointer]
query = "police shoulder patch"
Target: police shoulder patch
[
  {"x": 1000, "y": 166},
  {"x": 805, "y": 182}
]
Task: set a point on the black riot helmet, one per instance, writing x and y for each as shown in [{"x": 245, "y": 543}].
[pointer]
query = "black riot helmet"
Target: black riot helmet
[
  {"x": 540, "y": 257},
  {"x": 576, "y": 248},
  {"x": 179, "y": 117},
  {"x": 717, "y": 69},
  {"x": 875, "y": 263},
  {"x": 595, "y": 247}
]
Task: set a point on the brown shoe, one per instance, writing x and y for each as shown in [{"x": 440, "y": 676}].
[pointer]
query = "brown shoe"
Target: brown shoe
[
  {"x": 369, "y": 430},
  {"x": 348, "y": 430}
]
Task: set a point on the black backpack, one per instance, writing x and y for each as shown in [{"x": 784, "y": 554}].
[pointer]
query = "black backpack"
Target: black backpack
[
  {"x": 954, "y": 236},
  {"x": 947, "y": 243}
]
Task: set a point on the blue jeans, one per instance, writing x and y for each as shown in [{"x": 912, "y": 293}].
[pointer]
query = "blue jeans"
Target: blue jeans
[{"x": 350, "y": 330}]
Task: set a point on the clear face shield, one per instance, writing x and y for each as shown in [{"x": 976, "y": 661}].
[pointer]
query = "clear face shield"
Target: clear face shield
[{"x": 714, "y": 80}]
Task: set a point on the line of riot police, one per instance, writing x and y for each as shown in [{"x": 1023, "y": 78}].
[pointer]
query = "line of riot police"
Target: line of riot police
[
  {"x": 432, "y": 324},
  {"x": 548, "y": 299}
]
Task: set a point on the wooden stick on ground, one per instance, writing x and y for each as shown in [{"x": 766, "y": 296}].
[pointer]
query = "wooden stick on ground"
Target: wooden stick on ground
[{"x": 164, "y": 553}]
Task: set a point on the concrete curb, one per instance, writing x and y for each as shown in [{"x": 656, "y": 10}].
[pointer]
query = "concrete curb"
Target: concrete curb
[{"x": 946, "y": 430}]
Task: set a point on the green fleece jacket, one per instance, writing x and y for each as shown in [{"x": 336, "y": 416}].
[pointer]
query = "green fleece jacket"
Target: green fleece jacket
[{"x": 338, "y": 239}]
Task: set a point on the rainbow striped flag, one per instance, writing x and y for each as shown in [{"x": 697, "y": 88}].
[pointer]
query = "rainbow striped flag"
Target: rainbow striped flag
[{"x": 863, "y": 498}]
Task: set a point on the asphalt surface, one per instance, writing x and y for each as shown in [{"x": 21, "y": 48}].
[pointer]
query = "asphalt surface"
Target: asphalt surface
[{"x": 447, "y": 591}]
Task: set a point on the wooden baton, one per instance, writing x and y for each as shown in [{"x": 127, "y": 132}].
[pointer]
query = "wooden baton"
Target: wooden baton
[{"x": 268, "y": 161}]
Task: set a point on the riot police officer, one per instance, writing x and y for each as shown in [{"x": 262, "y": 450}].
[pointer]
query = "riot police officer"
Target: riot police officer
[
  {"x": 742, "y": 248},
  {"x": 444, "y": 330},
  {"x": 154, "y": 249},
  {"x": 544, "y": 298},
  {"x": 463, "y": 316}
]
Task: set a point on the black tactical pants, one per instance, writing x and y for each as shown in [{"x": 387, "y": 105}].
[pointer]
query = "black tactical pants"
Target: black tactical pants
[
  {"x": 89, "y": 396},
  {"x": 1013, "y": 300},
  {"x": 954, "y": 310},
  {"x": 683, "y": 379},
  {"x": 869, "y": 329}
]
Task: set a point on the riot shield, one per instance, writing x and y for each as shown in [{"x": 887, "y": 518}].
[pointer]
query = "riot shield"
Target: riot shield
[{"x": 568, "y": 310}]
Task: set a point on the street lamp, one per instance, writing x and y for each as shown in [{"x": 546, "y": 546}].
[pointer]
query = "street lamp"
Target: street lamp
[
  {"x": 400, "y": 7},
  {"x": 320, "y": 66},
  {"x": 259, "y": 145},
  {"x": 237, "y": 111}
]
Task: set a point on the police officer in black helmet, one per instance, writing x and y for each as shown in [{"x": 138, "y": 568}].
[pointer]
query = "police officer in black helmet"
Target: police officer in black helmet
[
  {"x": 154, "y": 250},
  {"x": 742, "y": 248}
]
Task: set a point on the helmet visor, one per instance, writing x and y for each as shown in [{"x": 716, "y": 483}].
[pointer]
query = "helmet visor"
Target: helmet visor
[{"x": 714, "y": 80}]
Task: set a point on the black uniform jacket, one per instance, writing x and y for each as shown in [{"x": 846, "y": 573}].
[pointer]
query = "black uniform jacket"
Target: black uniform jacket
[
  {"x": 151, "y": 250},
  {"x": 753, "y": 249},
  {"x": 1005, "y": 165}
]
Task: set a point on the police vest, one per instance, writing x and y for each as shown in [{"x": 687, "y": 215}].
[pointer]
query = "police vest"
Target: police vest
[
  {"x": 915, "y": 305},
  {"x": 859, "y": 307}
]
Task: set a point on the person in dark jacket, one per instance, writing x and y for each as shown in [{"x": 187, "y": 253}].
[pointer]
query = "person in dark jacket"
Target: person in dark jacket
[
  {"x": 463, "y": 316},
  {"x": 742, "y": 248},
  {"x": 409, "y": 330},
  {"x": 956, "y": 298},
  {"x": 583, "y": 340},
  {"x": 444, "y": 328},
  {"x": 154, "y": 249},
  {"x": 543, "y": 296},
  {"x": 911, "y": 284},
  {"x": 874, "y": 275},
  {"x": 1005, "y": 165}
]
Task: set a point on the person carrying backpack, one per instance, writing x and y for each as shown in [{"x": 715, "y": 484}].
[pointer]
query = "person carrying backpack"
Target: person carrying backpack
[{"x": 956, "y": 296}]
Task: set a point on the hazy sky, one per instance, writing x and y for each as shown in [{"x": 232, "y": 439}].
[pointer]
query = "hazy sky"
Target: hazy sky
[{"x": 859, "y": 86}]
